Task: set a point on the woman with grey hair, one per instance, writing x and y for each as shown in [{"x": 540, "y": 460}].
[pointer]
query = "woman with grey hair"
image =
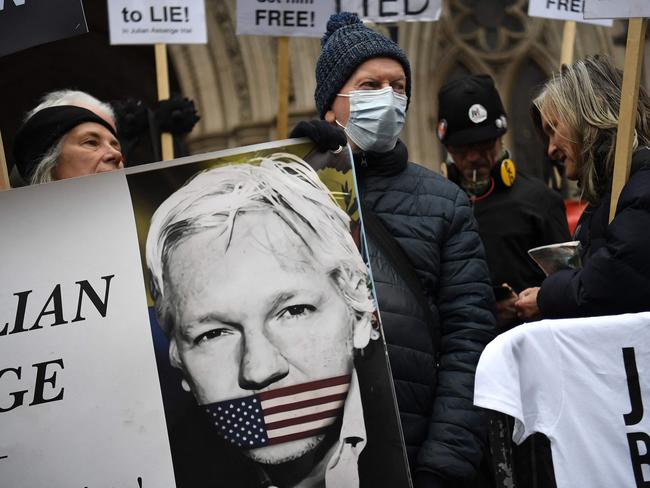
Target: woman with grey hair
[
  {"x": 77, "y": 98},
  {"x": 70, "y": 133},
  {"x": 64, "y": 142},
  {"x": 577, "y": 111}
]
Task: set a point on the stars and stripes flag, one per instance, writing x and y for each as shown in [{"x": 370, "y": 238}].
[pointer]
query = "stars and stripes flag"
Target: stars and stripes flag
[{"x": 280, "y": 415}]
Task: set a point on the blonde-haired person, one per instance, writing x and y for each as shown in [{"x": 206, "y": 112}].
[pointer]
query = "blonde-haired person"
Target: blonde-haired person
[{"x": 577, "y": 110}]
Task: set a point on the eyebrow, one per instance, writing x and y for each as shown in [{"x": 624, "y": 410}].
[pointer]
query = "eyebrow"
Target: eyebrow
[
  {"x": 95, "y": 133},
  {"x": 375, "y": 78},
  {"x": 217, "y": 317},
  {"x": 274, "y": 304},
  {"x": 186, "y": 328},
  {"x": 281, "y": 298},
  {"x": 208, "y": 318}
]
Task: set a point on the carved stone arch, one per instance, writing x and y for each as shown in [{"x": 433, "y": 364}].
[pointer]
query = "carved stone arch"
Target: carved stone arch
[
  {"x": 304, "y": 53},
  {"x": 420, "y": 41},
  {"x": 233, "y": 81},
  {"x": 495, "y": 37},
  {"x": 526, "y": 147},
  {"x": 519, "y": 81},
  {"x": 213, "y": 76}
]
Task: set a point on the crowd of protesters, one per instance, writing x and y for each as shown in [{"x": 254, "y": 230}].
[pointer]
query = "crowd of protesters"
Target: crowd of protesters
[{"x": 465, "y": 234}]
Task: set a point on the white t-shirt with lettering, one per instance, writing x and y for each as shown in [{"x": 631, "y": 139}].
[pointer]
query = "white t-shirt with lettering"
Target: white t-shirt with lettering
[{"x": 567, "y": 379}]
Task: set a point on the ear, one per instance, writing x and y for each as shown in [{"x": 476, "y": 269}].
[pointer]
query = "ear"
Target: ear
[
  {"x": 330, "y": 117},
  {"x": 175, "y": 360},
  {"x": 361, "y": 331},
  {"x": 174, "y": 356}
]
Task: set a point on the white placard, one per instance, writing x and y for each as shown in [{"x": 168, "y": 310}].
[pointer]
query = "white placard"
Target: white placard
[
  {"x": 308, "y": 18},
  {"x": 563, "y": 10},
  {"x": 383, "y": 11},
  {"x": 304, "y": 18},
  {"x": 157, "y": 21},
  {"x": 616, "y": 9},
  {"x": 80, "y": 401}
]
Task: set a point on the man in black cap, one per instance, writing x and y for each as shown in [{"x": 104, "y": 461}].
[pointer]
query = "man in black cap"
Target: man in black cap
[{"x": 514, "y": 212}]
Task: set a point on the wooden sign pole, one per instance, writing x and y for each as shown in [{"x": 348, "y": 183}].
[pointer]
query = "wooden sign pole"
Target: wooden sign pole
[
  {"x": 627, "y": 114},
  {"x": 4, "y": 174},
  {"x": 282, "y": 127},
  {"x": 568, "y": 42},
  {"x": 162, "y": 79}
]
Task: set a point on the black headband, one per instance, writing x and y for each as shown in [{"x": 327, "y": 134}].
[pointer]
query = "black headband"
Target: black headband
[{"x": 43, "y": 129}]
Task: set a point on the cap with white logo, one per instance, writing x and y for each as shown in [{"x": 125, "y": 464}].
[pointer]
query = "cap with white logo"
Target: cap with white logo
[{"x": 471, "y": 110}]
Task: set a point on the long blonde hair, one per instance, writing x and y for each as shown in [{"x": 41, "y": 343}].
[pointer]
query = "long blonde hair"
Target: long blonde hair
[{"x": 586, "y": 97}]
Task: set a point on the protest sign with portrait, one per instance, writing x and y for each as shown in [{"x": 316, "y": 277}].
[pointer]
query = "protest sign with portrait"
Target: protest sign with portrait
[{"x": 239, "y": 345}]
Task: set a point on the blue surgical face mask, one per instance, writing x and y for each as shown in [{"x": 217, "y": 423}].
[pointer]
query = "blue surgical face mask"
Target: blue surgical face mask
[{"x": 376, "y": 118}]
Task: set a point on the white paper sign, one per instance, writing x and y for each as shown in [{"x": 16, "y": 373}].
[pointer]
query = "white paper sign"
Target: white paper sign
[
  {"x": 308, "y": 18},
  {"x": 68, "y": 408},
  {"x": 382, "y": 11},
  {"x": 304, "y": 18},
  {"x": 157, "y": 21},
  {"x": 616, "y": 9},
  {"x": 562, "y": 10}
]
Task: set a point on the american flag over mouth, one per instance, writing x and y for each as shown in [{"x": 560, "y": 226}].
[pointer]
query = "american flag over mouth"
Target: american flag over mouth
[{"x": 281, "y": 415}]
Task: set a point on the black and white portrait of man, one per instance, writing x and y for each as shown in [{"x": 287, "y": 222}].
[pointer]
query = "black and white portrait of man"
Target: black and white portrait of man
[{"x": 263, "y": 294}]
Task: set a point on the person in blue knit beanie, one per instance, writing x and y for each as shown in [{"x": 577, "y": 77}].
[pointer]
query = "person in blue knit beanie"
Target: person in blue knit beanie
[{"x": 428, "y": 264}]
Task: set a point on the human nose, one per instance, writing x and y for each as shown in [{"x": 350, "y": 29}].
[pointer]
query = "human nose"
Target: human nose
[
  {"x": 472, "y": 154},
  {"x": 262, "y": 363},
  {"x": 112, "y": 159}
]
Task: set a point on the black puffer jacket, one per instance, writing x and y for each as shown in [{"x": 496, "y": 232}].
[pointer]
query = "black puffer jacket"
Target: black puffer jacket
[
  {"x": 615, "y": 277},
  {"x": 432, "y": 221}
]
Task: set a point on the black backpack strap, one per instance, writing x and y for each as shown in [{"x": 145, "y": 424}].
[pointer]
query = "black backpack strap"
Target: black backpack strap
[{"x": 391, "y": 249}]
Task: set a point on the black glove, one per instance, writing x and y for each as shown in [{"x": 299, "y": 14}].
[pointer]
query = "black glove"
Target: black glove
[
  {"x": 176, "y": 115},
  {"x": 132, "y": 117},
  {"x": 327, "y": 137}
]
